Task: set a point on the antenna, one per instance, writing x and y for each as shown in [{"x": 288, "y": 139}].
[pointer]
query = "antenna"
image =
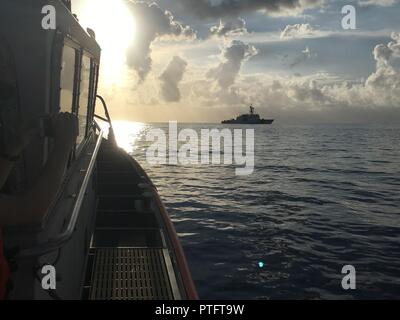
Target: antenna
[{"x": 251, "y": 109}]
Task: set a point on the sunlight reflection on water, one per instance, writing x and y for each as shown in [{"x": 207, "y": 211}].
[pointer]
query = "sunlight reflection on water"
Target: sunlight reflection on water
[{"x": 127, "y": 133}]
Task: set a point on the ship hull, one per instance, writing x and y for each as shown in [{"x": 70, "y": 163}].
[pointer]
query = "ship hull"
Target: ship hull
[{"x": 263, "y": 121}]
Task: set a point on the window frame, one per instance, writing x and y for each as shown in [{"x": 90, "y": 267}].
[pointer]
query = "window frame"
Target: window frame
[
  {"x": 80, "y": 52},
  {"x": 83, "y": 53},
  {"x": 68, "y": 44}
]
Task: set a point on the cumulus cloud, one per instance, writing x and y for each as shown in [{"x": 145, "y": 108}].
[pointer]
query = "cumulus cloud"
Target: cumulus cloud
[
  {"x": 319, "y": 97},
  {"x": 386, "y": 78},
  {"x": 296, "y": 31},
  {"x": 229, "y": 27},
  {"x": 380, "y": 89},
  {"x": 154, "y": 23},
  {"x": 232, "y": 58},
  {"x": 223, "y": 8},
  {"x": 321, "y": 93},
  {"x": 171, "y": 78}
]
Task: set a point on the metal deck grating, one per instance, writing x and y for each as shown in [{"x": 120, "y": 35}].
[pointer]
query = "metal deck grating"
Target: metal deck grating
[{"x": 130, "y": 274}]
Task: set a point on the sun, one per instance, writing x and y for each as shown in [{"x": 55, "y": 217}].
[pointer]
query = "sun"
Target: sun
[{"x": 115, "y": 29}]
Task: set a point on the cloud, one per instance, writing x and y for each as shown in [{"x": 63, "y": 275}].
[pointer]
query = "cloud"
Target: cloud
[
  {"x": 380, "y": 89},
  {"x": 296, "y": 31},
  {"x": 381, "y": 3},
  {"x": 315, "y": 98},
  {"x": 385, "y": 81},
  {"x": 229, "y": 27},
  {"x": 170, "y": 79},
  {"x": 153, "y": 23},
  {"x": 224, "y": 8},
  {"x": 321, "y": 93},
  {"x": 232, "y": 58}
]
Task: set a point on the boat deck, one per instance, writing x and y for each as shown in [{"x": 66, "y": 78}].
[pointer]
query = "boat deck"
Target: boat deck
[
  {"x": 130, "y": 273},
  {"x": 129, "y": 258}
]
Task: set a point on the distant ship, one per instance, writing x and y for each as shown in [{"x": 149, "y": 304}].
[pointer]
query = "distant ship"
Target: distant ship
[{"x": 249, "y": 118}]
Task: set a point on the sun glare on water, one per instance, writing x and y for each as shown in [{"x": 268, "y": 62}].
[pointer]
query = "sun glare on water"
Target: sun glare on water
[
  {"x": 115, "y": 30},
  {"x": 127, "y": 133}
]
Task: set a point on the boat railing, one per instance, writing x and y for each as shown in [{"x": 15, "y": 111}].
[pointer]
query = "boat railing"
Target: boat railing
[
  {"x": 53, "y": 244},
  {"x": 59, "y": 241},
  {"x": 107, "y": 119}
]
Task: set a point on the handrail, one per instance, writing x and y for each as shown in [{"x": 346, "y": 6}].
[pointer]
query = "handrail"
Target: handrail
[
  {"x": 101, "y": 118},
  {"x": 111, "y": 135},
  {"x": 56, "y": 243}
]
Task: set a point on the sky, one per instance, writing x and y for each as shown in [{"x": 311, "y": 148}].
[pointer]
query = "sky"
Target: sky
[{"x": 208, "y": 60}]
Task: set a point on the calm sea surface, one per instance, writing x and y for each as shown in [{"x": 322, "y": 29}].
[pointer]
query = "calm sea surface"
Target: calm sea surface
[{"x": 320, "y": 197}]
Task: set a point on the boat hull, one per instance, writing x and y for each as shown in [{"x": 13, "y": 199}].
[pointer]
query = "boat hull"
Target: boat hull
[
  {"x": 133, "y": 231},
  {"x": 263, "y": 121}
]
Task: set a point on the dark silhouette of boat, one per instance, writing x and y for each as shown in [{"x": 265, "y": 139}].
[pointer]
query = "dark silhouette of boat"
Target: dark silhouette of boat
[
  {"x": 107, "y": 232},
  {"x": 249, "y": 118}
]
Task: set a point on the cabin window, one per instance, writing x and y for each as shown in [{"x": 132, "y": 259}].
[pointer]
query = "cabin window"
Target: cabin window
[
  {"x": 93, "y": 92},
  {"x": 84, "y": 97},
  {"x": 67, "y": 79}
]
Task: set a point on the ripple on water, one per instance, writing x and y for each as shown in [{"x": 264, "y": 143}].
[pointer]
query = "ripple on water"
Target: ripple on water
[{"x": 320, "y": 198}]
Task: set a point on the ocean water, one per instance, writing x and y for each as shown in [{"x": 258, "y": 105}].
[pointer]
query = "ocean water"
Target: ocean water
[{"x": 320, "y": 197}]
